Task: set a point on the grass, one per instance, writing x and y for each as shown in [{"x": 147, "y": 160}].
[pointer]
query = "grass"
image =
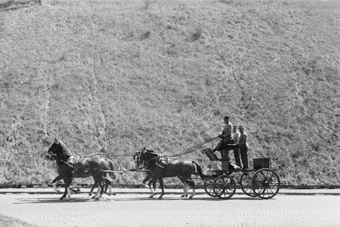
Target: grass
[
  {"x": 113, "y": 76},
  {"x": 13, "y": 222}
]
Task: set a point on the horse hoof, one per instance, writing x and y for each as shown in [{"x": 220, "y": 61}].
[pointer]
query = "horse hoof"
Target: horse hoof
[
  {"x": 151, "y": 196},
  {"x": 191, "y": 197},
  {"x": 93, "y": 197},
  {"x": 160, "y": 197},
  {"x": 97, "y": 199},
  {"x": 61, "y": 198},
  {"x": 182, "y": 196}
]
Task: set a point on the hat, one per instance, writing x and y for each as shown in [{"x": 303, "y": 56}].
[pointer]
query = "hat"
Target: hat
[{"x": 226, "y": 117}]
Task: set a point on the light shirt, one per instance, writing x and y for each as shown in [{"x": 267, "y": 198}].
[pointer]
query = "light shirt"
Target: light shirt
[
  {"x": 243, "y": 139},
  {"x": 227, "y": 130},
  {"x": 236, "y": 137}
]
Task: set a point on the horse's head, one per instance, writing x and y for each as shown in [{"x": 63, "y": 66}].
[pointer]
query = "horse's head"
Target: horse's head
[
  {"x": 56, "y": 149},
  {"x": 145, "y": 157}
]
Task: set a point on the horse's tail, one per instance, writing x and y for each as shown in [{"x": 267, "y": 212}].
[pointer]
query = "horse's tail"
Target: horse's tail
[
  {"x": 111, "y": 166},
  {"x": 198, "y": 170}
]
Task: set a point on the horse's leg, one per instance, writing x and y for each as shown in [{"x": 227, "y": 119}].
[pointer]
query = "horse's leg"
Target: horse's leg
[
  {"x": 153, "y": 192},
  {"x": 67, "y": 181},
  {"x": 100, "y": 181},
  {"x": 104, "y": 182},
  {"x": 108, "y": 184},
  {"x": 101, "y": 186},
  {"x": 193, "y": 189},
  {"x": 147, "y": 178},
  {"x": 54, "y": 183},
  {"x": 98, "y": 188},
  {"x": 185, "y": 189},
  {"x": 92, "y": 188},
  {"x": 162, "y": 187},
  {"x": 154, "y": 185}
]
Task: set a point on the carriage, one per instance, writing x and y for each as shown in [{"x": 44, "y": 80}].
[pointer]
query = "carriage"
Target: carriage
[{"x": 261, "y": 181}]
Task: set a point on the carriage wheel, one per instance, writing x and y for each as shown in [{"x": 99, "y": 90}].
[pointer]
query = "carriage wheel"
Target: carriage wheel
[
  {"x": 266, "y": 183},
  {"x": 224, "y": 186},
  {"x": 246, "y": 184},
  {"x": 209, "y": 187}
]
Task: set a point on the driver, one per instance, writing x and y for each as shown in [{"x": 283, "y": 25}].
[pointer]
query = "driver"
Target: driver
[{"x": 225, "y": 136}]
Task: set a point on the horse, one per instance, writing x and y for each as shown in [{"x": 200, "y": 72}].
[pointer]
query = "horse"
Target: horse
[
  {"x": 107, "y": 183},
  {"x": 70, "y": 167},
  {"x": 148, "y": 176},
  {"x": 158, "y": 169}
]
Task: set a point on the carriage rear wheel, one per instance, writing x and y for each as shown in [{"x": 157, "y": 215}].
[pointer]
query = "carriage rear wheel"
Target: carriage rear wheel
[
  {"x": 224, "y": 186},
  {"x": 265, "y": 183},
  {"x": 209, "y": 187},
  {"x": 246, "y": 184}
]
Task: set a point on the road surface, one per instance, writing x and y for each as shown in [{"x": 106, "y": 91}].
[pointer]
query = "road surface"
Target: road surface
[{"x": 138, "y": 210}]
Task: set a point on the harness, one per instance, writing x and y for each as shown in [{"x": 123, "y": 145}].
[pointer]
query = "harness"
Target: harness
[{"x": 158, "y": 160}]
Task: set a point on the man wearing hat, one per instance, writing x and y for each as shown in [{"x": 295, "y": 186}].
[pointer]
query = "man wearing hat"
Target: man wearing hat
[{"x": 225, "y": 136}]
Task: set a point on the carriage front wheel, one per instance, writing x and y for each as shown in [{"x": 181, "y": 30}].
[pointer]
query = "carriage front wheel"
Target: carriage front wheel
[
  {"x": 209, "y": 187},
  {"x": 246, "y": 183},
  {"x": 224, "y": 186},
  {"x": 265, "y": 183}
]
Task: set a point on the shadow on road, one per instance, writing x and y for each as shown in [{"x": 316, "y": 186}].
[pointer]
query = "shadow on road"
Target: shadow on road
[
  {"x": 56, "y": 200},
  {"x": 127, "y": 199}
]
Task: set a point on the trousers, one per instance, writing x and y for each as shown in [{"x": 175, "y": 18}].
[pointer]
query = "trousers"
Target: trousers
[{"x": 244, "y": 156}]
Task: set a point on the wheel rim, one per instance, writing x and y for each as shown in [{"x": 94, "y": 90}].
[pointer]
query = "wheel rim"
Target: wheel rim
[
  {"x": 246, "y": 184},
  {"x": 266, "y": 183},
  {"x": 209, "y": 187},
  {"x": 224, "y": 187}
]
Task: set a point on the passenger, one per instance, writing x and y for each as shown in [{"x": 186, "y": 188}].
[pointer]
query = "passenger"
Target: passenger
[
  {"x": 243, "y": 146},
  {"x": 236, "y": 137}
]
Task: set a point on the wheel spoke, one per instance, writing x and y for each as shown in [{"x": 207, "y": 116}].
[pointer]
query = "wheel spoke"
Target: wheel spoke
[
  {"x": 224, "y": 187},
  {"x": 266, "y": 183}
]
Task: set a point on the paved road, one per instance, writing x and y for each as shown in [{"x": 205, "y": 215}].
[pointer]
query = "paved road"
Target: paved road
[{"x": 138, "y": 210}]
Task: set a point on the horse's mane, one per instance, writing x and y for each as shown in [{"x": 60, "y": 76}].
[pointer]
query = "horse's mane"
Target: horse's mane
[{"x": 64, "y": 148}]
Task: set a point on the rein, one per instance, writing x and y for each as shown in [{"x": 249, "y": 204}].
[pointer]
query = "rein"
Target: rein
[
  {"x": 195, "y": 147},
  {"x": 69, "y": 165}
]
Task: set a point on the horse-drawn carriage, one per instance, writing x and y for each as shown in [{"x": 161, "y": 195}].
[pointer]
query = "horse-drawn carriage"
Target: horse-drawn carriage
[{"x": 261, "y": 181}]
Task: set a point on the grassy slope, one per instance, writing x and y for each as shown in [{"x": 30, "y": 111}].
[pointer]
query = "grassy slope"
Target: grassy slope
[{"x": 117, "y": 75}]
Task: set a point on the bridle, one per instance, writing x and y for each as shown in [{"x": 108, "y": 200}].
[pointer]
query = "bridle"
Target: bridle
[
  {"x": 51, "y": 156},
  {"x": 146, "y": 163}
]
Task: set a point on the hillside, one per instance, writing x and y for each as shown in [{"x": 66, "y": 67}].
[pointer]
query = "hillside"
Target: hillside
[{"x": 114, "y": 75}]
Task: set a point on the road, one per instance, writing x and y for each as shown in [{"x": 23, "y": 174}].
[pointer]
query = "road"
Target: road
[{"x": 138, "y": 210}]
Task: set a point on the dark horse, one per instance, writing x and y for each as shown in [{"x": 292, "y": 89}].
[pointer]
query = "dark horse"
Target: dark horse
[
  {"x": 158, "y": 169},
  {"x": 79, "y": 167}
]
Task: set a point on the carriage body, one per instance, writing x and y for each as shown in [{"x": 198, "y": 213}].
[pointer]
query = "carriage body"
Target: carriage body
[{"x": 261, "y": 181}]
